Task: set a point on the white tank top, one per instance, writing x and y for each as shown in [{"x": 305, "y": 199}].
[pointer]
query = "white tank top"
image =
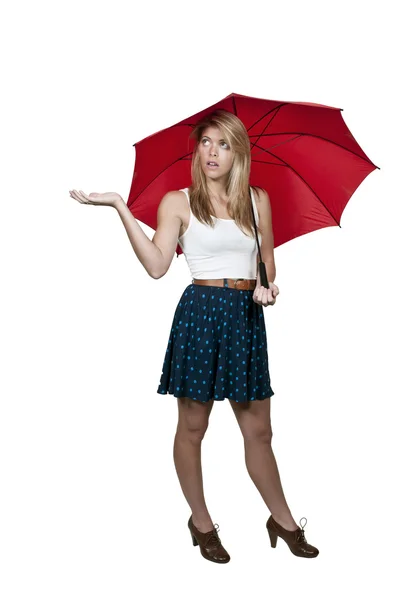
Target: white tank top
[{"x": 222, "y": 251}]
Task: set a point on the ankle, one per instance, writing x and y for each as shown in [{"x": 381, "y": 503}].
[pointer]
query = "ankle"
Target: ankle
[
  {"x": 288, "y": 524},
  {"x": 204, "y": 524}
]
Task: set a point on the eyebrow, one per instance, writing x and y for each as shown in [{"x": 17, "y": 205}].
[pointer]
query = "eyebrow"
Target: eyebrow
[{"x": 207, "y": 136}]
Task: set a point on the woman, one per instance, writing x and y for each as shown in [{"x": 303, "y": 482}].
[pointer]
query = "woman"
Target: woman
[{"x": 217, "y": 346}]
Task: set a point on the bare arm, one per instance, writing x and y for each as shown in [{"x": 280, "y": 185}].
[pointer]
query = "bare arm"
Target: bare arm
[
  {"x": 155, "y": 255},
  {"x": 267, "y": 237}
]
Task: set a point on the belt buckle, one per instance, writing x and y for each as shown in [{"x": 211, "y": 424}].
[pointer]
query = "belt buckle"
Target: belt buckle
[{"x": 239, "y": 279}]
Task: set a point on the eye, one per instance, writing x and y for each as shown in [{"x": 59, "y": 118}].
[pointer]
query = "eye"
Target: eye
[{"x": 206, "y": 140}]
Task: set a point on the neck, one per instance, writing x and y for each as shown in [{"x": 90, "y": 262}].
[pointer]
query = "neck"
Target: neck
[{"x": 217, "y": 191}]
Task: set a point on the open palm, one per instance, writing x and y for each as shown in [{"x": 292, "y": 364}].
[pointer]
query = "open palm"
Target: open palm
[{"x": 106, "y": 199}]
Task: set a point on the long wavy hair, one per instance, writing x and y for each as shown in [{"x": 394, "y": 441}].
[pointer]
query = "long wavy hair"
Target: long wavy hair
[{"x": 237, "y": 188}]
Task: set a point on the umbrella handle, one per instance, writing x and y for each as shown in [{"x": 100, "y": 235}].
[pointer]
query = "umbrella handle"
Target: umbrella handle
[
  {"x": 261, "y": 265},
  {"x": 263, "y": 275}
]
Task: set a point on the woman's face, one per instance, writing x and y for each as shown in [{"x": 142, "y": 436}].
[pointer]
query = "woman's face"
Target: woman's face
[{"x": 213, "y": 148}]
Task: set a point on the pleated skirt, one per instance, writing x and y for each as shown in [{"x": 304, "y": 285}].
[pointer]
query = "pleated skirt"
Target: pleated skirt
[{"x": 217, "y": 347}]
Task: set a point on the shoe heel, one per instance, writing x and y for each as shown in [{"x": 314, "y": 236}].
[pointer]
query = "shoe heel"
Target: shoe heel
[
  {"x": 194, "y": 540},
  {"x": 273, "y": 538}
]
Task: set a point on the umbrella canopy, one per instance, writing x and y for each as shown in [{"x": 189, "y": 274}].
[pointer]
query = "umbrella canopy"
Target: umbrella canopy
[{"x": 302, "y": 154}]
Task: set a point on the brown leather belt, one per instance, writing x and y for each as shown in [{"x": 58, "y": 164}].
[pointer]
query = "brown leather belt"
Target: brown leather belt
[{"x": 237, "y": 284}]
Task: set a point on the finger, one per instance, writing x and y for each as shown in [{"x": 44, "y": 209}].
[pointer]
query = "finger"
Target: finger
[
  {"x": 273, "y": 299},
  {"x": 263, "y": 296},
  {"x": 256, "y": 294},
  {"x": 84, "y": 195},
  {"x": 267, "y": 295},
  {"x": 78, "y": 195},
  {"x": 75, "y": 196}
]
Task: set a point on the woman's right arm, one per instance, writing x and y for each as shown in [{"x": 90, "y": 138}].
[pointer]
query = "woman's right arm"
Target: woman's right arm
[{"x": 155, "y": 255}]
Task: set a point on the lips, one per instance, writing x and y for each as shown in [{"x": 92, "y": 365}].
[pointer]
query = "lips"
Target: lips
[{"x": 212, "y": 163}]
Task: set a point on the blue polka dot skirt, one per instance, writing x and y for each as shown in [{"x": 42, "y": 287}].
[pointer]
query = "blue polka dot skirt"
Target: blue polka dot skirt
[{"x": 217, "y": 347}]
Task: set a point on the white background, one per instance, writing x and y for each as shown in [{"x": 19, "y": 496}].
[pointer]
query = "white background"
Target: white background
[{"x": 90, "y": 505}]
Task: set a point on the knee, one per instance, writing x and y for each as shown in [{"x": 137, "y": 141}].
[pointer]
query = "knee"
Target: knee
[
  {"x": 193, "y": 432},
  {"x": 258, "y": 434}
]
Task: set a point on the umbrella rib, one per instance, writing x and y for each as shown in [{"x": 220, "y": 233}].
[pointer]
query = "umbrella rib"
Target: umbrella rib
[
  {"x": 300, "y": 134},
  {"x": 280, "y": 143},
  {"x": 277, "y": 109},
  {"x": 295, "y": 133},
  {"x": 308, "y": 185}
]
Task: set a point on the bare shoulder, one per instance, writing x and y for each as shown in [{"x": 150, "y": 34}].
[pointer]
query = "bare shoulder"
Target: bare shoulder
[
  {"x": 261, "y": 196},
  {"x": 173, "y": 202},
  {"x": 263, "y": 205},
  {"x": 174, "y": 205}
]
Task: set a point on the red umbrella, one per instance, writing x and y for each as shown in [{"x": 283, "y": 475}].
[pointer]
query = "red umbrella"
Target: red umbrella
[{"x": 302, "y": 154}]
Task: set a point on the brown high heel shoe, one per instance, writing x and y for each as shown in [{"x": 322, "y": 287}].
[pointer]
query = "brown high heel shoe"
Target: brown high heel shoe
[
  {"x": 209, "y": 543},
  {"x": 294, "y": 539}
]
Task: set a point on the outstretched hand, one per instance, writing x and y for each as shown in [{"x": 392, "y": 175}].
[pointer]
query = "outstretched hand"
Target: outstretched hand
[
  {"x": 265, "y": 296},
  {"x": 107, "y": 199}
]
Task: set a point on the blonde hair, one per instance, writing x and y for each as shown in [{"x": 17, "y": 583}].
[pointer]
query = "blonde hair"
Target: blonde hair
[{"x": 237, "y": 189}]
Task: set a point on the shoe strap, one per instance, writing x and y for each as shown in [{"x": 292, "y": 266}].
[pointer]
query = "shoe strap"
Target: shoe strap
[
  {"x": 213, "y": 536},
  {"x": 301, "y": 536}
]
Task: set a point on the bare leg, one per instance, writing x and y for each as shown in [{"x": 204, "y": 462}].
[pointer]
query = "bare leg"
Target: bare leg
[
  {"x": 255, "y": 424},
  {"x": 193, "y": 419}
]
